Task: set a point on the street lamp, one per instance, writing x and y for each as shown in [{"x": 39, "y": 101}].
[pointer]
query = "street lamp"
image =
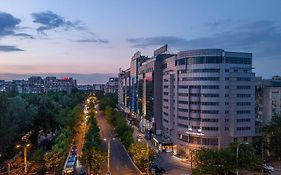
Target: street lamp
[
  {"x": 108, "y": 155},
  {"x": 237, "y": 155},
  {"x": 25, "y": 146}
]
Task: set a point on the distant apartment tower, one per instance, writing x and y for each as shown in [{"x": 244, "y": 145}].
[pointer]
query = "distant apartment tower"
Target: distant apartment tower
[
  {"x": 268, "y": 98},
  {"x": 112, "y": 85},
  {"x": 208, "y": 98},
  {"x": 99, "y": 87},
  {"x": 35, "y": 85}
]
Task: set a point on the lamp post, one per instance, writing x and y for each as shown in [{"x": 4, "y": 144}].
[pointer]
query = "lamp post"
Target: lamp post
[
  {"x": 25, "y": 146},
  {"x": 147, "y": 152},
  {"x": 237, "y": 155},
  {"x": 108, "y": 155}
]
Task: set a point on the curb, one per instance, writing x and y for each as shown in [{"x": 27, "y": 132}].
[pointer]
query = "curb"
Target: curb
[{"x": 132, "y": 161}]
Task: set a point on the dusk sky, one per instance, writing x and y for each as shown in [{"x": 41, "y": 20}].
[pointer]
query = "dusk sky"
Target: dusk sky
[{"x": 88, "y": 36}]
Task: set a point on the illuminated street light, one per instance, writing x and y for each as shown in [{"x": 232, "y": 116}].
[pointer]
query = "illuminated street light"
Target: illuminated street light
[
  {"x": 25, "y": 155},
  {"x": 108, "y": 155}
]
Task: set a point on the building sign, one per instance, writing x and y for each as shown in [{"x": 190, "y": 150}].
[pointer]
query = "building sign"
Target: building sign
[{"x": 161, "y": 50}]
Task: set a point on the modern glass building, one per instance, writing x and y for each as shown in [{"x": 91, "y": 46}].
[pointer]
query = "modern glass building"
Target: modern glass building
[{"x": 208, "y": 98}]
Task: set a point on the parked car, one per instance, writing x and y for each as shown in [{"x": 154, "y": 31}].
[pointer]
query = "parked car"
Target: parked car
[{"x": 267, "y": 168}]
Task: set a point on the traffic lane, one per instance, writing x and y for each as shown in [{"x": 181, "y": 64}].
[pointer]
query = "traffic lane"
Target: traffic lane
[
  {"x": 172, "y": 166},
  {"x": 120, "y": 162},
  {"x": 106, "y": 130}
]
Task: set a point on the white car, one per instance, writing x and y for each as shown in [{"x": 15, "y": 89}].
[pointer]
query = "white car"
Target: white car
[{"x": 268, "y": 168}]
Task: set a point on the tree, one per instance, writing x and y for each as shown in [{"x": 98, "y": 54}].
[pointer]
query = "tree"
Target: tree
[
  {"x": 214, "y": 161},
  {"x": 93, "y": 158},
  {"x": 272, "y": 138},
  {"x": 142, "y": 156}
]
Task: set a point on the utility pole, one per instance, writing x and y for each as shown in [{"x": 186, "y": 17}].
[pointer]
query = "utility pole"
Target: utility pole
[
  {"x": 25, "y": 146},
  {"x": 108, "y": 157},
  {"x": 191, "y": 159},
  {"x": 147, "y": 151},
  {"x": 25, "y": 159},
  {"x": 9, "y": 168}
]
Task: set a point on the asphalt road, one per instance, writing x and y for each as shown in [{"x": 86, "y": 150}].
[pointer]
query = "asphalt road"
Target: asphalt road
[
  {"x": 120, "y": 163},
  {"x": 170, "y": 163}
]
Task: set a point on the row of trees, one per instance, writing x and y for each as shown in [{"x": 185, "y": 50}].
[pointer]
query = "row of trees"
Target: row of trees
[
  {"x": 213, "y": 161},
  {"x": 271, "y": 140},
  {"x": 53, "y": 113},
  {"x": 141, "y": 154},
  {"x": 93, "y": 157}
]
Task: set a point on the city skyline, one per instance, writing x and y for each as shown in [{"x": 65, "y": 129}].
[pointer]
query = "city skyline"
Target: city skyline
[{"x": 100, "y": 37}]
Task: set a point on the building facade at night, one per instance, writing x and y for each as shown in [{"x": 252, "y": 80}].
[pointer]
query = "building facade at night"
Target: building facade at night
[{"x": 196, "y": 98}]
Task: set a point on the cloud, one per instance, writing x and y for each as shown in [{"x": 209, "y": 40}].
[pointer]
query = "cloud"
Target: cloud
[
  {"x": 260, "y": 37},
  {"x": 92, "y": 41},
  {"x": 9, "y": 26},
  {"x": 6, "y": 48},
  {"x": 49, "y": 21}
]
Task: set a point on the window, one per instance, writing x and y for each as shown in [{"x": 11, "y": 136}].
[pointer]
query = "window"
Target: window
[
  {"x": 183, "y": 110},
  {"x": 226, "y": 95},
  {"x": 182, "y": 125},
  {"x": 235, "y": 60},
  {"x": 181, "y": 61},
  {"x": 165, "y": 113},
  {"x": 165, "y": 87},
  {"x": 226, "y": 128},
  {"x": 166, "y": 93},
  {"x": 243, "y": 128},
  {"x": 204, "y": 70},
  {"x": 200, "y": 79},
  {"x": 243, "y": 87},
  {"x": 183, "y": 94},
  {"x": 183, "y": 102},
  {"x": 183, "y": 118},
  {"x": 210, "y": 141},
  {"x": 210, "y": 128},
  {"x": 243, "y": 112},
  {"x": 165, "y": 100},
  {"x": 210, "y": 87},
  {"x": 243, "y": 103},
  {"x": 226, "y": 87},
  {"x": 243, "y": 95},
  {"x": 210, "y": 120},
  {"x": 209, "y": 112},
  {"x": 226, "y": 78},
  {"x": 226, "y": 103},
  {"x": 210, "y": 95},
  {"x": 210, "y": 103},
  {"x": 226, "y": 112},
  {"x": 226, "y": 70},
  {"x": 182, "y": 87},
  {"x": 241, "y": 120},
  {"x": 243, "y": 79},
  {"x": 226, "y": 120}
]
